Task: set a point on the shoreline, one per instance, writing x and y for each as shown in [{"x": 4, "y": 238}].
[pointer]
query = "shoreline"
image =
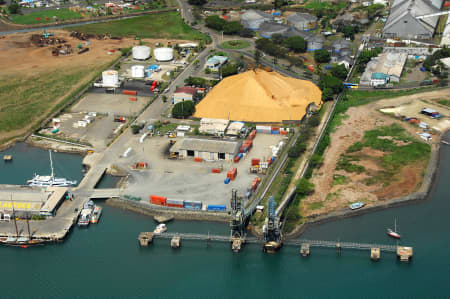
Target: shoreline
[{"x": 423, "y": 193}]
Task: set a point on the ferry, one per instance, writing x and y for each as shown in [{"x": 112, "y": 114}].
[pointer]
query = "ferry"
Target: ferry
[
  {"x": 96, "y": 214},
  {"x": 393, "y": 233},
  {"x": 50, "y": 180},
  {"x": 160, "y": 229},
  {"x": 85, "y": 217},
  {"x": 356, "y": 205}
]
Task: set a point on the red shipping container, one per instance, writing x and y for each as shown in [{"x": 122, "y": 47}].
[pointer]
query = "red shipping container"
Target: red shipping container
[
  {"x": 447, "y": 4},
  {"x": 130, "y": 92},
  {"x": 158, "y": 200},
  {"x": 283, "y": 132},
  {"x": 216, "y": 170},
  {"x": 133, "y": 99},
  {"x": 198, "y": 159},
  {"x": 173, "y": 205},
  {"x": 255, "y": 162},
  {"x": 236, "y": 159},
  {"x": 275, "y": 128}
]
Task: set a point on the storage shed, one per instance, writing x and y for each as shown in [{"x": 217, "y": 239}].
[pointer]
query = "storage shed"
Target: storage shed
[
  {"x": 252, "y": 19},
  {"x": 268, "y": 29},
  {"x": 206, "y": 149},
  {"x": 302, "y": 21}
]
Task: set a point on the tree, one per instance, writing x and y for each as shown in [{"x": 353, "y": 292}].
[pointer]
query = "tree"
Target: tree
[
  {"x": 257, "y": 56},
  {"x": 215, "y": 22},
  {"x": 14, "y": 8},
  {"x": 197, "y": 2},
  {"x": 339, "y": 71},
  {"x": 279, "y": 3},
  {"x": 322, "y": 56},
  {"x": 277, "y": 38},
  {"x": 229, "y": 69},
  {"x": 267, "y": 46},
  {"x": 327, "y": 94},
  {"x": 331, "y": 82},
  {"x": 296, "y": 44},
  {"x": 183, "y": 109},
  {"x": 298, "y": 149},
  {"x": 245, "y": 32},
  {"x": 349, "y": 31},
  {"x": 232, "y": 28},
  {"x": 304, "y": 187}
]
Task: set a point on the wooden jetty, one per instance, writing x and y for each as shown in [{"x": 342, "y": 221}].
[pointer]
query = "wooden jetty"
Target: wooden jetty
[
  {"x": 175, "y": 242},
  {"x": 7, "y": 158},
  {"x": 145, "y": 238}
]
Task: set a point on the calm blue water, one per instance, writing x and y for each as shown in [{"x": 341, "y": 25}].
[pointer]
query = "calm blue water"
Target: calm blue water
[
  {"x": 28, "y": 160},
  {"x": 106, "y": 261}
]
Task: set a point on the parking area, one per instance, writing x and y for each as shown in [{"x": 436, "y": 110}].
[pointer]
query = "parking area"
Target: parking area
[
  {"x": 186, "y": 179},
  {"x": 106, "y": 103}
]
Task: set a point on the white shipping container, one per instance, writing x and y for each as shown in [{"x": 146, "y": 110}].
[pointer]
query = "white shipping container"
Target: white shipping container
[
  {"x": 127, "y": 152},
  {"x": 264, "y": 128}
]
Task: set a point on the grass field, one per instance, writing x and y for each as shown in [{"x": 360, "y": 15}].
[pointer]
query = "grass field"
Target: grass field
[
  {"x": 62, "y": 14},
  {"x": 163, "y": 25},
  {"x": 444, "y": 102},
  {"x": 317, "y": 5},
  {"x": 235, "y": 44}
]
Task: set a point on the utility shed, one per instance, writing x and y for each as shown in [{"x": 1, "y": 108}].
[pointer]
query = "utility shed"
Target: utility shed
[
  {"x": 302, "y": 21},
  {"x": 252, "y": 19},
  {"x": 207, "y": 149},
  {"x": 403, "y": 22},
  {"x": 235, "y": 128}
]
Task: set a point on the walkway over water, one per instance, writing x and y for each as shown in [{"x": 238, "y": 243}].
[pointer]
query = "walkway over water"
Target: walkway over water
[{"x": 343, "y": 245}]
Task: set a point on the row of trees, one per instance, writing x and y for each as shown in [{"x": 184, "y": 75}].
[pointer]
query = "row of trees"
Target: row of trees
[
  {"x": 217, "y": 23},
  {"x": 364, "y": 57},
  {"x": 279, "y": 46}
]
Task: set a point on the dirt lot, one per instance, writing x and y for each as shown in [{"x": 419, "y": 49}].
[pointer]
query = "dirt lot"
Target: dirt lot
[
  {"x": 110, "y": 104},
  {"x": 186, "y": 179},
  {"x": 328, "y": 196}
]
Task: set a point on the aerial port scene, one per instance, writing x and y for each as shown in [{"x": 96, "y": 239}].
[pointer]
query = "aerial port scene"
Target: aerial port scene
[{"x": 224, "y": 148}]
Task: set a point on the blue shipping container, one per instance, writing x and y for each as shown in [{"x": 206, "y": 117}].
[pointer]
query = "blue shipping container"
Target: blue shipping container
[
  {"x": 193, "y": 205},
  {"x": 422, "y": 69},
  {"x": 216, "y": 207},
  {"x": 227, "y": 180},
  {"x": 275, "y": 132}
]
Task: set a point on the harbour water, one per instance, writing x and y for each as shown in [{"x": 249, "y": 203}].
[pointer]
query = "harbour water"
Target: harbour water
[{"x": 106, "y": 261}]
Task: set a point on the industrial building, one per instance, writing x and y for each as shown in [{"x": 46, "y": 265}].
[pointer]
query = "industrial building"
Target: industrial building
[
  {"x": 386, "y": 67},
  {"x": 235, "y": 128},
  {"x": 314, "y": 42},
  {"x": 213, "y": 126},
  {"x": 268, "y": 29},
  {"x": 206, "y": 149},
  {"x": 405, "y": 19},
  {"x": 163, "y": 54},
  {"x": 252, "y": 19},
  {"x": 141, "y": 52},
  {"x": 31, "y": 201},
  {"x": 182, "y": 94},
  {"x": 215, "y": 62},
  {"x": 302, "y": 21}
]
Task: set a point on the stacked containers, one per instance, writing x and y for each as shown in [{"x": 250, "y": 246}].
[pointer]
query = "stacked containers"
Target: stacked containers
[
  {"x": 255, "y": 184},
  {"x": 175, "y": 203},
  {"x": 238, "y": 157},
  {"x": 269, "y": 161},
  {"x": 264, "y": 129},
  {"x": 193, "y": 205},
  {"x": 232, "y": 174},
  {"x": 158, "y": 200},
  {"x": 275, "y": 130},
  {"x": 255, "y": 162},
  {"x": 216, "y": 208},
  {"x": 252, "y": 135}
]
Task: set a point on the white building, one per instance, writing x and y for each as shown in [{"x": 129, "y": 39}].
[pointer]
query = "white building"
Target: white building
[
  {"x": 386, "y": 67},
  {"x": 213, "y": 126}
]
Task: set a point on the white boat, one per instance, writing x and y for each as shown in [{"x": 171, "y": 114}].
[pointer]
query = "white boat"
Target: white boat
[
  {"x": 85, "y": 217},
  {"x": 50, "y": 180},
  {"x": 356, "y": 205},
  {"x": 96, "y": 214},
  {"x": 393, "y": 233},
  {"x": 160, "y": 229}
]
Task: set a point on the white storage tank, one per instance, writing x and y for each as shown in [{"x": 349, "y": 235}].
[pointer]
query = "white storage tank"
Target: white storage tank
[
  {"x": 163, "y": 54},
  {"x": 137, "y": 71},
  {"x": 110, "y": 78},
  {"x": 141, "y": 52}
]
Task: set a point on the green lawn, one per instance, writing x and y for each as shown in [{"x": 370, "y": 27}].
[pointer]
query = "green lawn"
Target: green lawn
[
  {"x": 235, "y": 44},
  {"x": 62, "y": 14},
  {"x": 163, "y": 25},
  {"x": 444, "y": 102},
  {"x": 318, "y": 5}
]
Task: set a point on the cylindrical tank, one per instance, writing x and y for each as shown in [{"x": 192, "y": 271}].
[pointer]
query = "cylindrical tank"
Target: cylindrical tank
[
  {"x": 141, "y": 52},
  {"x": 163, "y": 54},
  {"x": 110, "y": 78},
  {"x": 137, "y": 71}
]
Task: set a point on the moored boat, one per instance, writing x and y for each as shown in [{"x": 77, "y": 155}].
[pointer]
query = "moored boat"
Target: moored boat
[
  {"x": 356, "y": 205},
  {"x": 85, "y": 217},
  {"x": 160, "y": 229},
  {"x": 96, "y": 214},
  {"x": 394, "y": 233}
]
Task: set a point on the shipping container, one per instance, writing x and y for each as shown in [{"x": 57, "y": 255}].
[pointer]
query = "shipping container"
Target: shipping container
[
  {"x": 217, "y": 207},
  {"x": 193, "y": 205},
  {"x": 198, "y": 159},
  {"x": 275, "y": 132},
  {"x": 173, "y": 205},
  {"x": 275, "y": 128},
  {"x": 158, "y": 200},
  {"x": 237, "y": 158},
  {"x": 130, "y": 92},
  {"x": 227, "y": 180},
  {"x": 447, "y": 4},
  {"x": 255, "y": 161},
  {"x": 175, "y": 201},
  {"x": 216, "y": 170}
]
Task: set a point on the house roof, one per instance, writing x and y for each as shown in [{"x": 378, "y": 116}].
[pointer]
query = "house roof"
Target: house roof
[
  {"x": 206, "y": 145},
  {"x": 301, "y": 17},
  {"x": 186, "y": 89},
  {"x": 255, "y": 15}
]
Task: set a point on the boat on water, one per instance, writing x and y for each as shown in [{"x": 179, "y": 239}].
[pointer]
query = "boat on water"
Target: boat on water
[
  {"x": 394, "y": 233},
  {"x": 85, "y": 217},
  {"x": 160, "y": 228},
  {"x": 356, "y": 205},
  {"x": 96, "y": 214},
  {"x": 50, "y": 180}
]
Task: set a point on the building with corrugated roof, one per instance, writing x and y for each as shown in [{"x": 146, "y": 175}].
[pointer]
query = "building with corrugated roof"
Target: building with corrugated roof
[
  {"x": 214, "y": 63},
  {"x": 182, "y": 94},
  {"x": 207, "y": 149},
  {"x": 386, "y": 67},
  {"x": 252, "y": 19},
  {"x": 339, "y": 44},
  {"x": 302, "y": 21},
  {"x": 268, "y": 29},
  {"x": 403, "y": 23}
]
